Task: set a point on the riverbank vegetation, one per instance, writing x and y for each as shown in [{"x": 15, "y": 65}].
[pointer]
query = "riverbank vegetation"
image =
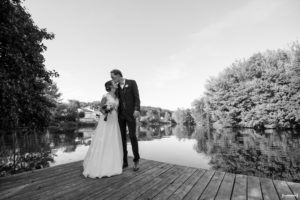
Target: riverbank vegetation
[
  {"x": 260, "y": 92},
  {"x": 68, "y": 114}
]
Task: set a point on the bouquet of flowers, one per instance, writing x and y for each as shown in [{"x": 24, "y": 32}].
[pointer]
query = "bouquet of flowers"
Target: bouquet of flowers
[{"x": 107, "y": 109}]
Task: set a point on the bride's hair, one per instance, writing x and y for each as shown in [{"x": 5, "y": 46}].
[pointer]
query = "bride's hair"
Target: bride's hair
[{"x": 108, "y": 85}]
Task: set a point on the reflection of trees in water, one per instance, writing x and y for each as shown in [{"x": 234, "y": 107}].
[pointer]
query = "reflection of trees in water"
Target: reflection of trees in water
[
  {"x": 183, "y": 132},
  {"x": 156, "y": 132},
  {"x": 23, "y": 151},
  {"x": 203, "y": 140},
  {"x": 64, "y": 139},
  {"x": 153, "y": 132},
  {"x": 271, "y": 154},
  {"x": 84, "y": 135}
]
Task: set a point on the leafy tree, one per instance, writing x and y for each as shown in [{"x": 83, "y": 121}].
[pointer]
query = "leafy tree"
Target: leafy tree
[
  {"x": 74, "y": 104},
  {"x": 200, "y": 112},
  {"x": 183, "y": 117},
  {"x": 167, "y": 116},
  {"x": 52, "y": 92},
  {"x": 66, "y": 112},
  {"x": 260, "y": 92},
  {"x": 155, "y": 115},
  {"x": 23, "y": 77}
]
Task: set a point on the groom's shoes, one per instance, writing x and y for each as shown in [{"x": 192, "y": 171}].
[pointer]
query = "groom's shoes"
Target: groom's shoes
[
  {"x": 125, "y": 165},
  {"x": 136, "y": 166}
]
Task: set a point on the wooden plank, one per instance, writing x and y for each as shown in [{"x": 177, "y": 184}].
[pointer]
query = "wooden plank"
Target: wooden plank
[
  {"x": 295, "y": 188},
  {"x": 226, "y": 187},
  {"x": 134, "y": 186},
  {"x": 35, "y": 177},
  {"x": 213, "y": 186},
  {"x": 37, "y": 174},
  {"x": 199, "y": 187},
  {"x": 54, "y": 186},
  {"x": 121, "y": 189},
  {"x": 38, "y": 190},
  {"x": 170, "y": 189},
  {"x": 42, "y": 184},
  {"x": 183, "y": 190},
  {"x": 240, "y": 188},
  {"x": 254, "y": 189},
  {"x": 38, "y": 171},
  {"x": 141, "y": 190},
  {"x": 88, "y": 186},
  {"x": 283, "y": 190},
  {"x": 130, "y": 175},
  {"x": 166, "y": 179},
  {"x": 154, "y": 180},
  {"x": 268, "y": 189},
  {"x": 8, "y": 193}
]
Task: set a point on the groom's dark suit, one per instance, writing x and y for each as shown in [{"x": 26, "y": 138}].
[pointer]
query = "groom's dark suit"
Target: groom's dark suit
[{"x": 129, "y": 102}]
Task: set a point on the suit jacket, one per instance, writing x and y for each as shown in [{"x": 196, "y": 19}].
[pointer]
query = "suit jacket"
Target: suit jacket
[{"x": 129, "y": 99}]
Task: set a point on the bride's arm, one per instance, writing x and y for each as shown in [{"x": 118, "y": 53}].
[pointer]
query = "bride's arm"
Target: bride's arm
[{"x": 102, "y": 103}]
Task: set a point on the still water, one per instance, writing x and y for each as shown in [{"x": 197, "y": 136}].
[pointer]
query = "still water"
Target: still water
[{"x": 270, "y": 153}]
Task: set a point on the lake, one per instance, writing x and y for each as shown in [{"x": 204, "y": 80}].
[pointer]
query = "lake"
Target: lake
[{"x": 273, "y": 154}]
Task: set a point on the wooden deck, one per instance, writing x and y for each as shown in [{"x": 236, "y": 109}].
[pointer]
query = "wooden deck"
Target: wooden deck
[{"x": 154, "y": 180}]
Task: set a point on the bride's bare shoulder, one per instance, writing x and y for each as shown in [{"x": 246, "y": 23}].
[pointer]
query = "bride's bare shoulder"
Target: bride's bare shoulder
[{"x": 104, "y": 98}]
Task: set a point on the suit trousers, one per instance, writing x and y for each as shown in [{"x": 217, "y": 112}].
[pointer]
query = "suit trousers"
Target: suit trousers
[{"x": 133, "y": 139}]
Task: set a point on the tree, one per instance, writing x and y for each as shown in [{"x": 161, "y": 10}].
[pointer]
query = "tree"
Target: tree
[
  {"x": 52, "y": 92},
  {"x": 167, "y": 116},
  {"x": 65, "y": 112},
  {"x": 23, "y": 76},
  {"x": 183, "y": 117},
  {"x": 260, "y": 92},
  {"x": 200, "y": 112}
]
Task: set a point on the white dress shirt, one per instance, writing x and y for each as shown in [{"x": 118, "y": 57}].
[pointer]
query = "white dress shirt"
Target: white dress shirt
[{"x": 124, "y": 83}]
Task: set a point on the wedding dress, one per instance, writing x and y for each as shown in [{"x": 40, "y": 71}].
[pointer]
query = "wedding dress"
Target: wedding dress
[{"x": 105, "y": 154}]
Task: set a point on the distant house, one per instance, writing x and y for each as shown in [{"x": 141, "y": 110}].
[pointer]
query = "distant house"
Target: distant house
[{"x": 90, "y": 115}]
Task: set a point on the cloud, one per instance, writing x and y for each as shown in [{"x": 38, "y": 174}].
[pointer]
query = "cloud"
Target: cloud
[
  {"x": 232, "y": 37},
  {"x": 252, "y": 13},
  {"x": 214, "y": 47}
]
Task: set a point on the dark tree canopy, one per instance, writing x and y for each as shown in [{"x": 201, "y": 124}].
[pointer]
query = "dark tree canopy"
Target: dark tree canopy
[{"x": 24, "y": 79}]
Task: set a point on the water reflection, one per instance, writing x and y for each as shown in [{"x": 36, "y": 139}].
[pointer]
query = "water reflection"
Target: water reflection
[
  {"x": 184, "y": 132},
  {"x": 22, "y": 151},
  {"x": 153, "y": 132},
  {"x": 273, "y": 154},
  {"x": 270, "y": 154}
]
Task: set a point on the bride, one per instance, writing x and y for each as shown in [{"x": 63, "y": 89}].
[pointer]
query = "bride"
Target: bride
[{"x": 105, "y": 154}]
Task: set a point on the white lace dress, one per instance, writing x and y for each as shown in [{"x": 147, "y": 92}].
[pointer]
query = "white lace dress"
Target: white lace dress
[{"x": 105, "y": 154}]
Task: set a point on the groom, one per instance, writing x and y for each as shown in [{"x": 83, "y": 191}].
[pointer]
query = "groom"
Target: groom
[{"x": 129, "y": 110}]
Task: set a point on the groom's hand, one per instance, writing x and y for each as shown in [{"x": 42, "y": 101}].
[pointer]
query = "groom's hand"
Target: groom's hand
[{"x": 136, "y": 114}]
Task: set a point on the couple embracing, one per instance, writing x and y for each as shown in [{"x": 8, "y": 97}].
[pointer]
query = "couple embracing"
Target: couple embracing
[{"x": 107, "y": 154}]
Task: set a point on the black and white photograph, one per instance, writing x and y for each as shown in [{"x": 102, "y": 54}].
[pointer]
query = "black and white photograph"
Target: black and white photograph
[{"x": 150, "y": 99}]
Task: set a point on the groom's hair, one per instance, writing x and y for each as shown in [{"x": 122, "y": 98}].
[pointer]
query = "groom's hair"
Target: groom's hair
[
  {"x": 108, "y": 85},
  {"x": 117, "y": 72}
]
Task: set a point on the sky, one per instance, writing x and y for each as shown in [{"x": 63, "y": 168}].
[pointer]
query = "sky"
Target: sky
[{"x": 170, "y": 47}]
